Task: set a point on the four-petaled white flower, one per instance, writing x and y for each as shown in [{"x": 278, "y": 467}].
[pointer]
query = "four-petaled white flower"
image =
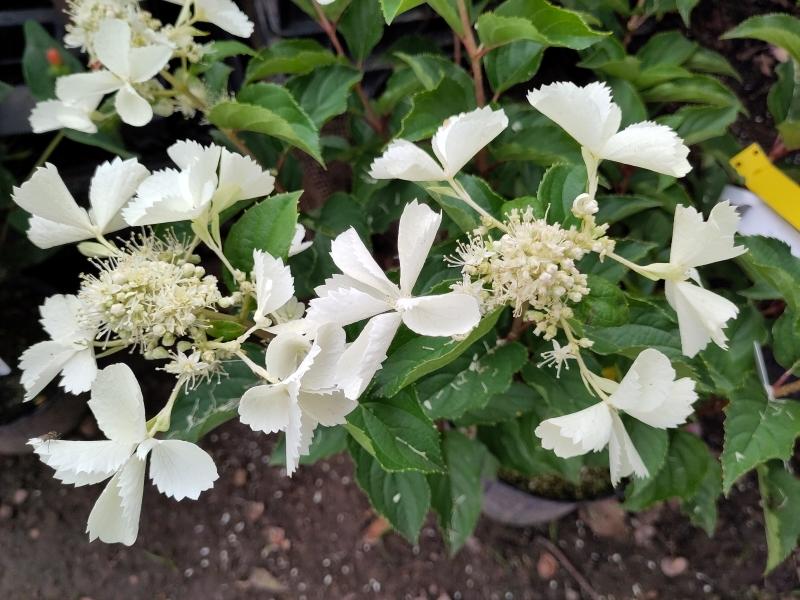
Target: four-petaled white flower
[
  {"x": 49, "y": 115},
  {"x": 125, "y": 66},
  {"x": 649, "y": 392},
  {"x": 198, "y": 188},
  {"x": 222, "y": 13},
  {"x": 301, "y": 392},
  {"x": 273, "y": 282},
  {"x": 57, "y": 219},
  {"x": 458, "y": 139},
  {"x": 69, "y": 350},
  {"x": 590, "y": 116},
  {"x": 363, "y": 291},
  {"x": 702, "y": 315},
  {"x": 178, "y": 469}
]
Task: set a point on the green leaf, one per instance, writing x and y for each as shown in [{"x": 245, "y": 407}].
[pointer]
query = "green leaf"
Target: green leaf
[
  {"x": 398, "y": 433},
  {"x": 784, "y": 103},
  {"x": 224, "y": 330},
  {"x": 327, "y": 442},
  {"x": 464, "y": 216},
  {"x": 513, "y": 63},
  {"x": 707, "y": 61},
  {"x": 469, "y": 382},
  {"x": 553, "y": 26},
  {"x": 40, "y": 75},
  {"x": 392, "y": 8},
  {"x": 295, "y": 56},
  {"x": 778, "y": 29},
  {"x": 430, "y": 69},
  {"x": 666, "y": 48},
  {"x": 697, "y": 124},
  {"x": 517, "y": 400},
  {"x": 629, "y": 340},
  {"x": 629, "y": 100},
  {"x": 107, "y": 137},
  {"x": 560, "y": 186},
  {"x": 756, "y": 430},
  {"x": 786, "y": 339},
  {"x": 537, "y": 139},
  {"x": 268, "y": 225},
  {"x": 269, "y": 109},
  {"x": 702, "y": 507},
  {"x": 458, "y": 495},
  {"x": 361, "y": 25},
  {"x": 698, "y": 89},
  {"x": 430, "y": 108},
  {"x": 495, "y": 30},
  {"x": 448, "y": 10},
  {"x": 681, "y": 475},
  {"x": 615, "y": 208},
  {"x": 604, "y": 306},
  {"x": 780, "y": 497},
  {"x": 770, "y": 260},
  {"x": 423, "y": 355},
  {"x": 212, "y": 403},
  {"x": 402, "y": 498},
  {"x": 323, "y": 93}
]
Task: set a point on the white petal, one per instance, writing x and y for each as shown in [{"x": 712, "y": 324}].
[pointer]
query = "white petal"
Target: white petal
[
  {"x": 417, "y": 231},
  {"x": 696, "y": 242},
  {"x": 185, "y": 153},
  {"x": 49, "y": 234},
  {"x": 406, "y": 161},
  {"x": 113, "y": 185},
  {"x": 147, "y": 61},
  {"x": 81, "y": 86},
  {"x": 82, "y": 463},
  {"x": 586, "y": 113},
  {"x": 702, "y": 315},
  {"x": 274, "y": 283},
  {"x": 344, "y": 307},
  {"x": 623, "y": 457},
  {"x": 79, "y": 372},
  {"x": 181, "y": 469},
  {"x": 60, "y": 319},
  {"x": 444, "y": 315},
  {"x": 587, "y": 430},
  {"x": 285, "y": 353},
  {"x": 327, "y": 409},
  {"x": 462, "y": 136},
  {"x": 266, "y": 407},
  {"x": 160, "y": 198},
  {"x": 40, "y": 364},
  {"x": 132, "y": 108},
  {"x": 649, "y": 146},
  {"x": 330, "y": 339},
  {"x": 112, "y": 43},
  {"x": 296, "y": 442},
  {"x": 366, "y": 354},
  {"x": 307, "y": 427},
  {"x": 243, "y": 178},
  {"x": 354, "y": 260},
  {"x": 115, "y": 516},
  {"x": 117, "y": 404},
  {"x": 46, "y": 196},
  {"x": 298, "y": 245},
  {"x": 50, "y": 115},
  {"x": 225, "y": 15}
]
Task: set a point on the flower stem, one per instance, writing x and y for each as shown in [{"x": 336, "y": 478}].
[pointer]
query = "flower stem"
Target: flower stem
[
  {"x": 632, "y": 266},
  {"x": 464, "y": 195},
  {"x": 47, "y": 152},
  {"x": 161, "y": 421}
]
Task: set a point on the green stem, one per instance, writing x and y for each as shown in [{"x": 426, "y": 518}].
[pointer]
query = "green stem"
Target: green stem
[
  {"x": 464, "y": 195},
  {"x": 47, "y": 152},
  {"x": 632, "y": 266},
  {"x": 161, "y": 421}
]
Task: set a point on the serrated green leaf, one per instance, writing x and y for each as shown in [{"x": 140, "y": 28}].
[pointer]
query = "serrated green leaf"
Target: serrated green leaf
[
  {"x": 778, "y": 29},
  {"x": 705, "y": 60},
  {"x": 361, "y": 26},
  {"x": 552, "y": 25},
  {"x": 770, "y": 260},
  {"x": 666, "y": 47},
  {"x": 323, "y": 93},
  {"x": 430, "y": 108},
  {"x": 392, "y": 8},
  {"x": 786, "y": 340},
  {"x": 702, "y": 507},
  {"x": 615, "y": 208},
  {"x": 780, "y": 497},
  {"x": 756, "y": 430},
  {"x": 535, "y": 138},
  {"x": 560, "y": 186},
  {"x": 604, "y": 306},
  {"x": 294, "y": 56},
  {"x": 403, "y": 498},
  {"x": 513, "y": 63},
  {"x": 629, "y": 340},
  {"x": 783, "y": 102},
  {"x": 698, "y": 89},
  {"x": 423, "y": 355},
  {"x": 517, "y": 400},
  {"x": 697, "y": 124},
  {"x": 268, "y": 226}
]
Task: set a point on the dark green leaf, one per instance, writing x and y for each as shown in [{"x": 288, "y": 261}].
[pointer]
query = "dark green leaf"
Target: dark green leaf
[
  {"x": 323, "y": 93},
  {"x": 362, "y": 26},
  {"x": 295, "y": 56},
  {"x": 553, "y": 25},
  {"x": 778, "y": 29},
  {"x": 513, "y": 63},
  {"x": 780, "y": 497}
]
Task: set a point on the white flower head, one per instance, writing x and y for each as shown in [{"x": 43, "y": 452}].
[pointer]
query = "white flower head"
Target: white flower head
[
  {"x": 274, "y": 284},
  {"x": 50, "y": 115},
  {"x": 363, "y": 291},
  {"x": 589, "y": 115},
  {"x": 458, "y": 139},
  {"x": 178, "y": 469},
  {"x": 69, "y": 350},
  {"x": 302, "y": 391},
  {"x": 125, "y": 67},
  {"x": 222, "y": 13},
  {"x": 57, "y": 219},
  {"x": 210, "y": 178},
  {"x": 702, "y": 315},
  {"x": 649, "y": 392}
]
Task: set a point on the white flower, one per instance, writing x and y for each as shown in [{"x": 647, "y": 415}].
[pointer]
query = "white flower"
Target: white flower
[
  {"x": 57, "y": 218},
  {"x": 124, "y": 65},
  {"x": 298, "y": 245},
  {"x": 69, "y": 350},
  {"x": 649, "y": 392},
  {"x": 590, "y": 116},
  {"x": 273, "y": 282},
  {"x": 363, "y": 291},
  {"x": 191, "y": 193},
  {"x": 458, "y": 139},
  {"x": 222, "y": 13},
  {"x": 178, "y": 469},
  {"x": 702, "y": 315},
  {"x": 302, "y": 392},
  {"x": 49, "y": 115}
]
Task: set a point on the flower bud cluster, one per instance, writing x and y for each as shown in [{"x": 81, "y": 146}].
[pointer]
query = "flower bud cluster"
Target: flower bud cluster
[
  {"x": 531, "y": 267},
  {"x": 151, "y": 295}
]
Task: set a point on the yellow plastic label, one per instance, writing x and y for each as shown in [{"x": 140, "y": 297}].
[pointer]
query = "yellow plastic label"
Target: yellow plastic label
[{"x": 769, "y": 183}]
